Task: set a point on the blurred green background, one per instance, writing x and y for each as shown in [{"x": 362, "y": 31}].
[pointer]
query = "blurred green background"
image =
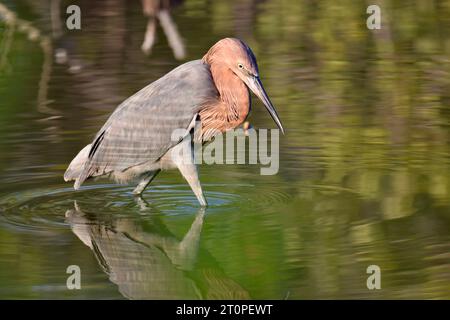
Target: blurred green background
[{"x": 364, "y": 167}]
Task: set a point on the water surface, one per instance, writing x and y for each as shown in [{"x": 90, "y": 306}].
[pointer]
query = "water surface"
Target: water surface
[{"x": 364, "y": 167}]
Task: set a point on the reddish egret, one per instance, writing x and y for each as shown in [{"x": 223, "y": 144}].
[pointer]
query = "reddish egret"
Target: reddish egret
[{"x": 135, "y": 144}]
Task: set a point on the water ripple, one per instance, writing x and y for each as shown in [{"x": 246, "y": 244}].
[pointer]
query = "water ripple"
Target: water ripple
[{"x": 44, "y": 208}]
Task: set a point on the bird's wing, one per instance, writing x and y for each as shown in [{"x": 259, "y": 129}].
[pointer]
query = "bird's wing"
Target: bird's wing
[{"x": 140, "y": 129}]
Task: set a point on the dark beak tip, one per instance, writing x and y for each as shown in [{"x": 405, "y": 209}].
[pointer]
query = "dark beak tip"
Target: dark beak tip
[{"x": 258, "y": 89}]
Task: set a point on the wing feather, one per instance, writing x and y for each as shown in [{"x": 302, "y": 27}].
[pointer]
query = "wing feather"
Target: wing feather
[{"x": 140, "y": 129}]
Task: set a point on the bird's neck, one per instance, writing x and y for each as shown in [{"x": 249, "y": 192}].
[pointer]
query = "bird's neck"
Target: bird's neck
[{"x": 234, "y": 95}]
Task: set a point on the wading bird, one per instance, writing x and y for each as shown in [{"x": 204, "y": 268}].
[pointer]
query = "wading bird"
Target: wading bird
[{"x": 136, "y": 142}]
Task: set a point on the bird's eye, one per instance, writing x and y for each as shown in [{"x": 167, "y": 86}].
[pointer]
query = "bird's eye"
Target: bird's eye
[{"x": 240, "y": 66}]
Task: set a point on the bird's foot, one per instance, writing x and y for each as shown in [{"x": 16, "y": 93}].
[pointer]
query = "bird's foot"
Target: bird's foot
[{"x": 141, "y": 202}]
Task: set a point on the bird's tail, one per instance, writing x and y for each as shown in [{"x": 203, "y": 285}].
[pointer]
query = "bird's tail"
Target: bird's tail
[{"x": 77, "y": 165}]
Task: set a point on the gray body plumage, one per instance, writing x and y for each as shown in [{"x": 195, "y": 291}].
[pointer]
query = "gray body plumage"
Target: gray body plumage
[{"x": 135, "y": 141}]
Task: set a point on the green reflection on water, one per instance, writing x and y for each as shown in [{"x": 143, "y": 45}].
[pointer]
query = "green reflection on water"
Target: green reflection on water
[{"x": 364, "y": 174}]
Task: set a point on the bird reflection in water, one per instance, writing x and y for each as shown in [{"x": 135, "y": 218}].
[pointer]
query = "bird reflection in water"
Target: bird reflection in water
[
  {"x": 159, "y": 10},
  {"x": 153, "y": 264}
]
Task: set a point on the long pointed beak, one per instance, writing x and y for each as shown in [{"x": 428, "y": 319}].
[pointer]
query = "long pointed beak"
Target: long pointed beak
[{"x": 256, "y": 86}]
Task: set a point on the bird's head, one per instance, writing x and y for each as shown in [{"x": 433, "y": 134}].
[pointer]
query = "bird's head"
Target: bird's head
[{"x": 235, "y": 55}]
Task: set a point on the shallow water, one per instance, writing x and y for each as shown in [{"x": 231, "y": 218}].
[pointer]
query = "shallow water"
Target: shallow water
[{"x": 364, "y": 173}]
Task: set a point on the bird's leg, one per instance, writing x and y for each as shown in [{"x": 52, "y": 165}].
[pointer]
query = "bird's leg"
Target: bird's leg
[
  {"x": 173, "y": 37},
  {"x": 183, "y": 157},
  {"x": 141, "y": 202},
  {"x": 145, "y": 182},
  {"x": 150, "y": 36},
  {"x": 189, "y": 172}
]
